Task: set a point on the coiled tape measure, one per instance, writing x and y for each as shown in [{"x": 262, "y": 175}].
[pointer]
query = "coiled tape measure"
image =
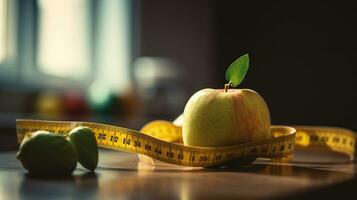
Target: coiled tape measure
[{"x": 162, "y": 140}]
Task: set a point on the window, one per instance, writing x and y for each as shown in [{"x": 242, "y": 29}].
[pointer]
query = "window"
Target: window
[
  {"x": 113, "y": 48},
  {"x": 63, "y": 38},
  {"x": 7, "y": 36},
  {"x": 68, "y": 42},
  {"x": 2, "y": 29}
]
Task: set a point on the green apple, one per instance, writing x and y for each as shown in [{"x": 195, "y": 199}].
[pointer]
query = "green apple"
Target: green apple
[
  {"x": 226, "y": 117},
  {"x": 218, "y": 117}
]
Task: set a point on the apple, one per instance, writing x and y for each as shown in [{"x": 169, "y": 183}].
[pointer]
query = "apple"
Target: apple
[{"x": 222, "y": 117}]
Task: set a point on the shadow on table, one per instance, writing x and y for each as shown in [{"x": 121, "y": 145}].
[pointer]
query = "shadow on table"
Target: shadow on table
[
  {"x": 77, "y": 186},
  {"x": 324, "y": 172}
]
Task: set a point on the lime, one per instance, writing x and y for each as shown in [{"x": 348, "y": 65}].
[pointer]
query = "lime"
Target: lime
[
  {"x": 84, "y": 140},
  {"x": 46, "y": 153}
]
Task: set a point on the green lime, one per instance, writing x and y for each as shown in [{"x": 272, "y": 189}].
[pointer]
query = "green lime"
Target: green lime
[
  {"x": 84, "y": 140},
  {"x": 46, "y": 153}
]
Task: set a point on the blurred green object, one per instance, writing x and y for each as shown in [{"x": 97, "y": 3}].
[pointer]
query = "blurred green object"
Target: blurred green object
[{"x": 102, "y": 100}]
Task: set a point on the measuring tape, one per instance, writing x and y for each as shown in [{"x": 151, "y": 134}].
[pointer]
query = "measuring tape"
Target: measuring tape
[
  {"x": 162, "y": 140},
  {"x": 333, "y": 139}
]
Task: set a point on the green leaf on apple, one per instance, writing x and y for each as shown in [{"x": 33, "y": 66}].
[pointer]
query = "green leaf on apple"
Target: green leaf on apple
[{"x": 237, "y": 70}]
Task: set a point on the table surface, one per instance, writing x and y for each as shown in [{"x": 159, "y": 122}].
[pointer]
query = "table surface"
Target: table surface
[{"x": 124, "y": 176}]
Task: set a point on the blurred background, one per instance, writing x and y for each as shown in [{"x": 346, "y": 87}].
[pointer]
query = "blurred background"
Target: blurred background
[{"x": 126, "y": 62}]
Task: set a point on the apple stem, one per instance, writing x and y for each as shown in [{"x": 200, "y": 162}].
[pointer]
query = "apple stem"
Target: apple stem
[{"x": 226, "y": 86}]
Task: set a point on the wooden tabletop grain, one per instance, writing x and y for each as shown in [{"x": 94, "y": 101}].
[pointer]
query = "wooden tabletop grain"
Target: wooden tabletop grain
[{"x": 123, "y": 176}]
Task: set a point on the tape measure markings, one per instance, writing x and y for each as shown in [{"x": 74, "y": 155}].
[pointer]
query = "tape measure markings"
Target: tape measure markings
[
  {"x": 148, "y": 142},
  {"x": 338, "y": 139}
]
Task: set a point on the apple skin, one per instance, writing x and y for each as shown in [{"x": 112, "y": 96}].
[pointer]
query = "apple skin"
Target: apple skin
[{"x": 213, "y": 117}]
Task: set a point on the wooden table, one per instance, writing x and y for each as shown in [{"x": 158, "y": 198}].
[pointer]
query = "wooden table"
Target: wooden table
[{"x": 122, "y": 176}]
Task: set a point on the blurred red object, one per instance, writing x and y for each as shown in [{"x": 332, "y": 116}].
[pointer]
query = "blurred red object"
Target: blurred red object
[{"x": 75, "y": 105}]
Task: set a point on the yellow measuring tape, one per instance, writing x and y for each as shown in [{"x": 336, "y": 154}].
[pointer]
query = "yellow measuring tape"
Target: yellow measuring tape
[{"x": 162, "y": 140}]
